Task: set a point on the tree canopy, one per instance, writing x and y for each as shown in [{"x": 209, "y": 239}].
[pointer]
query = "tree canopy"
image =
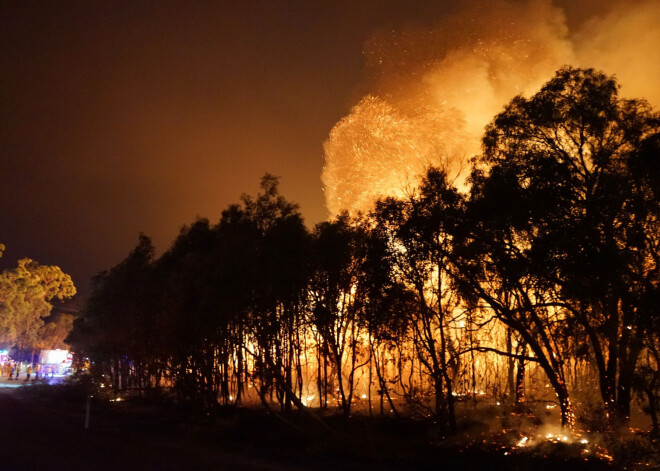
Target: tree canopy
[{"x": 26, "y": 293}]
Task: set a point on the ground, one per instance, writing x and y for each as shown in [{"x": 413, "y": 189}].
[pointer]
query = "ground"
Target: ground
[{"x": 45, "y": 429}]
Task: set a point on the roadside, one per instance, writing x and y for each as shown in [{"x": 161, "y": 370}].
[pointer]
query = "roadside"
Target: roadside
[
  {"x": 44, "y": 429},
  {"x": 45, "y": 436}
]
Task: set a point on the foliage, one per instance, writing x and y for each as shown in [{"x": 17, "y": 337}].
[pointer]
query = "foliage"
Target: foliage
[{"x": 26, "y": 293}]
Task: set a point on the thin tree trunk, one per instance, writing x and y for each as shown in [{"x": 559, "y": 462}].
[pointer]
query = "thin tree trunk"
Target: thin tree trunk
[{"x": 520, "y": 377}]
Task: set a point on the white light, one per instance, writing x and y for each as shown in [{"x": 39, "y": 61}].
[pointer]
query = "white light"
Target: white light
[{"x": 364, "y": 396}]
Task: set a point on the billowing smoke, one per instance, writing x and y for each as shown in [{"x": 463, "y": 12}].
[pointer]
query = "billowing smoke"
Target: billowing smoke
[{"x": 434, "y": 90}]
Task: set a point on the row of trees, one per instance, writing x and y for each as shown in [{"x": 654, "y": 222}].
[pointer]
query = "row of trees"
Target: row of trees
[
  {"x": 26, "y": 320},
  {"x": 551, "y": 259}
]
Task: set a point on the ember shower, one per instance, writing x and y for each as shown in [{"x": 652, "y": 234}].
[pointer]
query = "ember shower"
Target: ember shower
[{"x": 434, "y": 90}]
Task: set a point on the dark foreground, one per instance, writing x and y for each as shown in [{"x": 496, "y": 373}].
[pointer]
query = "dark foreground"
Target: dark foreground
[{"x": 47, "y": 432}]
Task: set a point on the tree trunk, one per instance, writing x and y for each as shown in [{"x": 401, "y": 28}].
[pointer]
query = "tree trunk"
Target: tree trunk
[
  {"x": 520, "y": 377},
  {"x": 512, "y": 390}
]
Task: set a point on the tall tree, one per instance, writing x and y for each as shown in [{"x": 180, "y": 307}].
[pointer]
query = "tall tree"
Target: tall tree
[
  {"x": 566, "y": 206},
  {"x": 114, "y": 328},
  {"x": 338, "y": 297},
  {"x": 279, "y": 290},
  {"x": 420, "y": 233}
]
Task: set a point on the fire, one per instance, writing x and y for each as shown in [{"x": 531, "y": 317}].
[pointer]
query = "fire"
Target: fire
[
  {"x": 379, "y": 148},
  {"x": 437, "y": 88}
]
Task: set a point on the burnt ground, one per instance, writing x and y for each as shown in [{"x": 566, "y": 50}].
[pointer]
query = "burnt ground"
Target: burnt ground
[{"x": 42, "y": 428}]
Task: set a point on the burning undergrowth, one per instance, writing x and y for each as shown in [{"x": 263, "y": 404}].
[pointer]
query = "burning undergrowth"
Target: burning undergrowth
[
  {"x": 532, "y": 432},
  {"x": 523, "y": 435}
]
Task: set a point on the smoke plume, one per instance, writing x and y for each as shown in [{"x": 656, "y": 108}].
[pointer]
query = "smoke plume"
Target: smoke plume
[{"x": 434, "y": 90}]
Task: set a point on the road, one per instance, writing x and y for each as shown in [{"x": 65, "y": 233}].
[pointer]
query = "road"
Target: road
[{"x": 35, "y": 437}]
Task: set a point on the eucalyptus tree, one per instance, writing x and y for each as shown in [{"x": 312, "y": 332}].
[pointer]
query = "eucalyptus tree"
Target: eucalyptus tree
[
  {"x": 420, "y": 231},
  {"x": 276, "y": 315},
  {"x": 565, "y": 217},
  {"x": 337, "y": 296},
  {"x": 114, "y": 328},
  {"x": 386, "y": 315},
  {"x": 191, "y": 313},
  {"x": 26, "y": 293}
]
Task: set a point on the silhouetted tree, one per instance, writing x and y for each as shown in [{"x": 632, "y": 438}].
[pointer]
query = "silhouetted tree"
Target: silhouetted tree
[
  {"x": 565, "y": 220},
  {"x": 279, "y": 286},
  {"x": 115, "y": 327},
  {"x": 337, "y": 303},
  {"x": 419, "y": 229}
]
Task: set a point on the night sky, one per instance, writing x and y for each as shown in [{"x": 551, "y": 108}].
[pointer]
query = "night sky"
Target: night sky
[
  {"x": 119, "y": 118},
  {"x": 124, "y": 117}
]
